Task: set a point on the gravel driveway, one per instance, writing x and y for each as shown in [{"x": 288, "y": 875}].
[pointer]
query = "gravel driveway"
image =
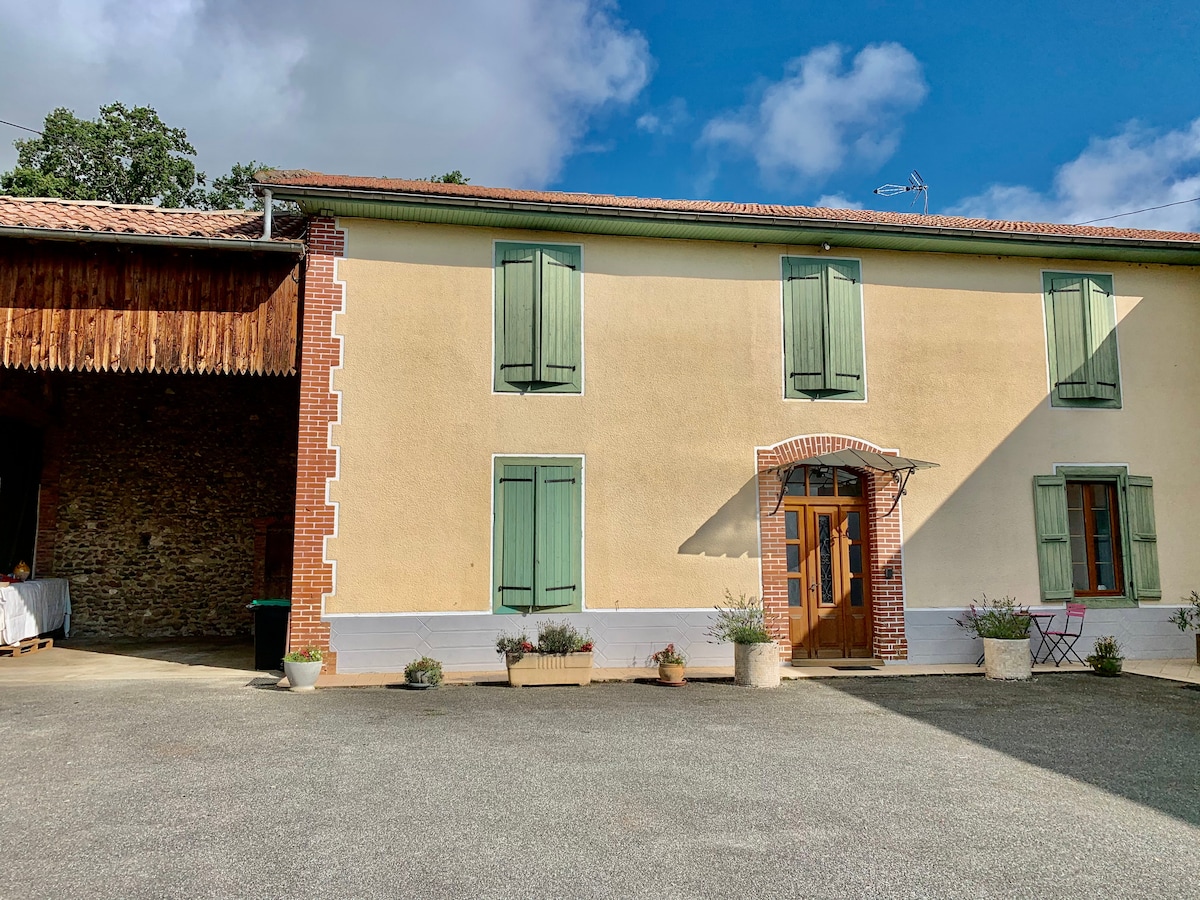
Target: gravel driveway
[{"x": 1072, "y": 786}]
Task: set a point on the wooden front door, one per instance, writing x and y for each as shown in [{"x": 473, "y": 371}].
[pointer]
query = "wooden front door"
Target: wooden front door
[{"x": 829, "y": 596}]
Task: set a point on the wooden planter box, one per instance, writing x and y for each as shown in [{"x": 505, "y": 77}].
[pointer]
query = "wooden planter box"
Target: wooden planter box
[{"x": 550, "y": 668}]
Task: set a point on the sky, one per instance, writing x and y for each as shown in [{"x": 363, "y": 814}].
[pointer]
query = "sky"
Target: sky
[{"x": 1013, "y": 109}]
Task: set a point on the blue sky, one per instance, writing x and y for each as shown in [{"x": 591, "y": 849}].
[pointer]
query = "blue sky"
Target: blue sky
[{"x": 1040, "y": 110}]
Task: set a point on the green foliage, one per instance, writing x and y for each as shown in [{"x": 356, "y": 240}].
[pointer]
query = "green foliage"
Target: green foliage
[
  {"x": 553, "y": 637},
  {"x": 425, "y": 670},
  {"x": 125, "y": 155},
  {"x": 668, "y": 656},
  {"x": 1106, "y": 658},
  {"x": 1004, "y": 619},
  {"x": 455, "y": 177},
  {"x": 1188, "y": 618},
  {"x": 740, "y": 621},
  {"x": 561, "y": 637},
  {"x": 309, "y": 654}
]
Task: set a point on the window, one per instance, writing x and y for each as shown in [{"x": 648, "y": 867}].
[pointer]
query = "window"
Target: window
[
  {"x": 1096, "y": 535},
  {"x": 1081, "y": 339},
  {"x": 822, "y": 481},
  {"x": 823, "y": 329},
  {"x": 537, "y": 537},
  {"x": 538, "y": 322}
]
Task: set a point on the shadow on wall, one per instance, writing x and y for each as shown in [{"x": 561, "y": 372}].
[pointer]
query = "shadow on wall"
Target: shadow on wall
[
  {"x": 986, "y": 523},
  {"x": 1133, "y": 737},
  {"x": 731, "y": 531}
]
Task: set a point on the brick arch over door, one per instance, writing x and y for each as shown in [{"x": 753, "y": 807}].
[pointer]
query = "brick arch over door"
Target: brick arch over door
[{"x": 887, "y": 594}]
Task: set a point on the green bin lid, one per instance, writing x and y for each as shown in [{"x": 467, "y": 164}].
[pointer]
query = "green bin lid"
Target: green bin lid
[{"x": 270, "y": 602}]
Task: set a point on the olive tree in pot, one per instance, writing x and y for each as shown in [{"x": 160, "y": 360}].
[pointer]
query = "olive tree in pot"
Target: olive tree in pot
[
  {"x": 302, "y": 668},
  {"x": 1190, "y": 618},
  {"x": 1004, "y": 627},
  {"x": 742, "y": 622}
]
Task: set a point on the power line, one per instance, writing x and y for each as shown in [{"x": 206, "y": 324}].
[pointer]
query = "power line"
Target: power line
[
  {"x": 22, "y": 127},
  {"x": 1136, "y": 211}
]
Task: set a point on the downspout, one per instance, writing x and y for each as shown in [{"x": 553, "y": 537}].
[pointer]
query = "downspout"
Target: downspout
[{"x": 266, "y": 214}]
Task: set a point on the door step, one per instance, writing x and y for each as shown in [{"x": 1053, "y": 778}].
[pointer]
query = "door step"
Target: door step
[{"x": 851, "y": 664}]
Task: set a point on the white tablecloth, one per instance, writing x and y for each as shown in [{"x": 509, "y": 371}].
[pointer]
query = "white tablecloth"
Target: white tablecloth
[{"x": 30, "y": 608}]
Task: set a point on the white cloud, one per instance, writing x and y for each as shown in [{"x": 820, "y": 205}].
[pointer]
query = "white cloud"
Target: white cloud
[
  {"x": 666, "y": 120},
  {"x": 821, "y": 116},
  {"x": 1135, "y": 169},
  {"x": 837, "y": 201},
  {"x": 503, "y": 91}
]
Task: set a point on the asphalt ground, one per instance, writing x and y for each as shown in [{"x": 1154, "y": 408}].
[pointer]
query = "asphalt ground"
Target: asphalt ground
[{"x": 1072, "y": 786}]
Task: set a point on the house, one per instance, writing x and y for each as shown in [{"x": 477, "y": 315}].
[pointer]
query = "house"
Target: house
[
  {"x": 148, "y": 410},
  {"x": 520, "y": 404}
]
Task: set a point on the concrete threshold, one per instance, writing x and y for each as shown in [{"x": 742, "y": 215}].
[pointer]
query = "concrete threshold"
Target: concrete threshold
[{"x": 699, "y": 673}]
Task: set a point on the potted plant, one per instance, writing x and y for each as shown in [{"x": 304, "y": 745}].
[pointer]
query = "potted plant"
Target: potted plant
[
  {"x": 1004, "y": 627},
  {"x": 742, "y": 622},
  {"x": 1190, "y": 618},
  {"x": 670, "y": 665},
  {"x": 562, "y": 655},
  {"x": 425, "y": 672},
  {"x": 1106, "y": 657},
  {"x": 302, "y": 667}
]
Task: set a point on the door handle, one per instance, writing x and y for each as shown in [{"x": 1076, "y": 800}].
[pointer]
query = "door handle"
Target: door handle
[{"x": 813, "y": 586}]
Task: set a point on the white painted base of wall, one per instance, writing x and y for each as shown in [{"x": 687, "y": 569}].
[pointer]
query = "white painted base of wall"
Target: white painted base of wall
[
  {"x": 467, "y": 643},
  {"x": 1144, "y": 633}
]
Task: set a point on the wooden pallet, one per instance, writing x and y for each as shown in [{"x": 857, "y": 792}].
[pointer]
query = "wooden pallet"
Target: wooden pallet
[{"x": 32, "y": 645}]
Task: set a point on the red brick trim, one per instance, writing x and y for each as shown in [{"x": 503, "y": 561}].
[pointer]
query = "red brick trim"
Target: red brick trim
[
  {"x": 887, "y": 594},
  {"x": 317, "y": 459}
]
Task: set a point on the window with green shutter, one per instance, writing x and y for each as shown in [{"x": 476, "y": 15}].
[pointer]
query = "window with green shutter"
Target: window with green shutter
[
  {"x": 538, "y": 323},
  {"x": 1096, "y": 538},
  {"x": 538, "y": 535},
  {"x": 1081, "y": 340},
  {"x": 823, "y": 329}
]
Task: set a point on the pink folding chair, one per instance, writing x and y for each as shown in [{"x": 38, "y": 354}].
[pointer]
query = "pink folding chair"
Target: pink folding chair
[{"x": 1062, "y": 643}]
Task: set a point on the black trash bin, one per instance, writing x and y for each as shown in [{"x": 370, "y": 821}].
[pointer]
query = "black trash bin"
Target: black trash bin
[{"x": 270, "y": 632}]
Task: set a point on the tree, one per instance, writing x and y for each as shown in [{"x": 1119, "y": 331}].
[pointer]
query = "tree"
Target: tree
[
  {"x": 126, "y": 155},
  {"x": 455, "y": 177}
]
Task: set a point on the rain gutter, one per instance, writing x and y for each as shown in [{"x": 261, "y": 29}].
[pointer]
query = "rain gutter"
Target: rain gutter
[{"x": 183, "y": 242}]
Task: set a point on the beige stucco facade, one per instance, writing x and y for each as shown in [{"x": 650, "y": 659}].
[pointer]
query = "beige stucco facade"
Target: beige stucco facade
[{"x": 683, "y": 380}]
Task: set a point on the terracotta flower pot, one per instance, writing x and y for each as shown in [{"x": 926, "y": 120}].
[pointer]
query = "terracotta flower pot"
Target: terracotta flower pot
[{"x": 670, "y": 674}]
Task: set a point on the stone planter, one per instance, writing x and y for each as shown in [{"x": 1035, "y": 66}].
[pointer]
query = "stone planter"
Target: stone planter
[
  {"x": 550, "y": 668},
  {"x": 756, "y": 665},
  {"x": 302, "y": 676},
  {"x": 668, "y": 674},
  {"x": 1007, "y": 660}
]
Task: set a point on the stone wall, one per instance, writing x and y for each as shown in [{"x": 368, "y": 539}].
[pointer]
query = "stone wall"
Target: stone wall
[{"x": 160, "y": 479}]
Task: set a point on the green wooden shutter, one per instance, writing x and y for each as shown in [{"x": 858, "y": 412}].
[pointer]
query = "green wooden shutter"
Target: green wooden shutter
[
  {"x": 1143, "y": 538},
  {"x": 803, "y": 325},
  {"x": 518, "y": 276},
  {"x": 844, "y": 350},
  {"x": 1053, "y": 537},
  {"x": 559, "y": 339},
  {"x": 516, "y": 491},
  {"x": 1102, "y": 338},
  {"x": 1068, "y": 323},
  {"x": 557, "y": 542}
]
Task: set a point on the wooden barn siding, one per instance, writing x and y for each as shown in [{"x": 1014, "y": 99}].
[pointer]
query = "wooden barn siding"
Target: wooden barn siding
[{"x": 93, "y": 307}]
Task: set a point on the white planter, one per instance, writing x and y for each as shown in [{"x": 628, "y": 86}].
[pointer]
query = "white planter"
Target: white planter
[
  {"x": 1007, "y": 660},
  {"x": 302, "y": 676},
  {"x": 756, "y": 665}
]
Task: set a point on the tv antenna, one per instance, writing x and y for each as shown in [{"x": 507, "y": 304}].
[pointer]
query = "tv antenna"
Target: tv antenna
[{"x": 915, "y": 183}]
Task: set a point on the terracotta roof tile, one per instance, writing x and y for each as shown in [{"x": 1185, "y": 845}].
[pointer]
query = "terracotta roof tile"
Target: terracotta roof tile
[
  {"x": 302, "y": 178},
  {"x": 90, "y": 215}
]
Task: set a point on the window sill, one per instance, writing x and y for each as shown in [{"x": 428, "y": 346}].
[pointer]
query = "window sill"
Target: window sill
[{"x": 1098, "y": 602}]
